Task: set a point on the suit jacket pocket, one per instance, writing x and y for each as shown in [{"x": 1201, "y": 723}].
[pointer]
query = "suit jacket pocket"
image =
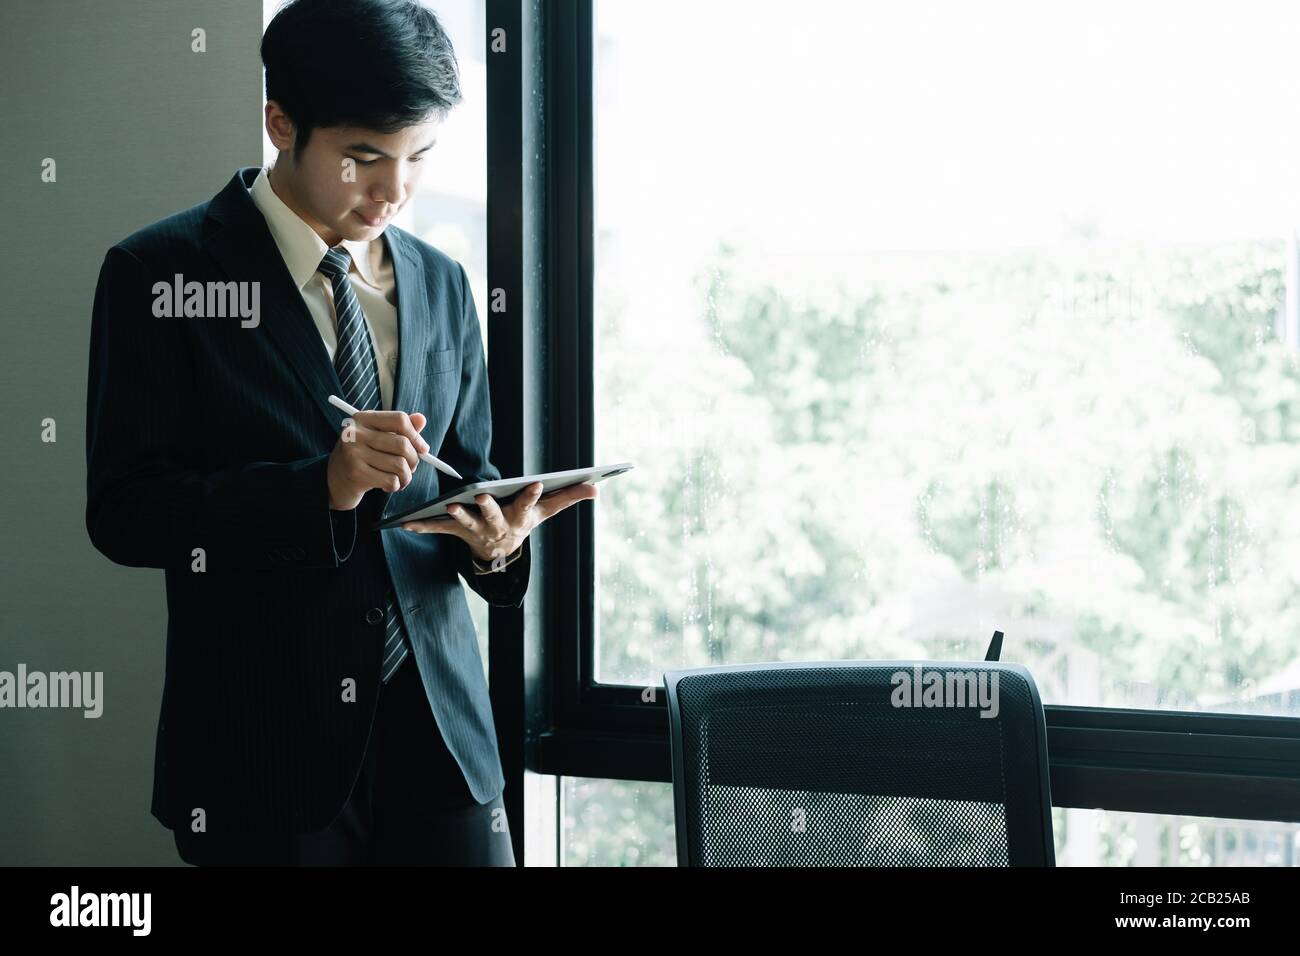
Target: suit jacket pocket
[{"x": 443, "y": 360}]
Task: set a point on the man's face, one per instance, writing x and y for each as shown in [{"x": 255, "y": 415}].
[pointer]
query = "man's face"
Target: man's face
[{"x": 344, "y": 199}]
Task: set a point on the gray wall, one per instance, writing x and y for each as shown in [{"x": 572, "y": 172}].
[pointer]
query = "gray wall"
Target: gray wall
[{"x": 140, "y": 127}]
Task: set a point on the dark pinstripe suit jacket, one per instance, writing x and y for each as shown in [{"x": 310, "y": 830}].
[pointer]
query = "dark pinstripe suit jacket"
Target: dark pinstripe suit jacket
[{"x": 206, "y": 434}]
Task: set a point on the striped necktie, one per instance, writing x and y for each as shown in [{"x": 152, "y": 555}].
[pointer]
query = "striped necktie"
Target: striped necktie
[{"x": 354, "y": 360}]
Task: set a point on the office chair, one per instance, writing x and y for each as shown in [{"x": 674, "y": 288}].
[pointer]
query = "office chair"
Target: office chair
[{"x": 825, "y": 764}]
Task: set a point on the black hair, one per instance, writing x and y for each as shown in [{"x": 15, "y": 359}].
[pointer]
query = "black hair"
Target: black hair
[{"x": 378, "y": 64}]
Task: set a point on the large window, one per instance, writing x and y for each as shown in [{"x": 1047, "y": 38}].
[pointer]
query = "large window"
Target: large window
[{"x": 927, "y": 320}]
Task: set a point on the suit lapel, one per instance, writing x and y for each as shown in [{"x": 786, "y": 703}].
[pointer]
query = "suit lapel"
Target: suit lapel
[
  {"x": 246, "y": 251},
  {"x": 412, "y": 321}
]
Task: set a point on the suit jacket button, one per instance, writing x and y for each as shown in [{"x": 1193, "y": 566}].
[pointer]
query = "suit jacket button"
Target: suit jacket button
[{"x": 374, "y": 615}]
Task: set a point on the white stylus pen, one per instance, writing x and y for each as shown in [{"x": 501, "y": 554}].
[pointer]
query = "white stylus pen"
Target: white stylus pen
[{"x": 440, "y": 465}]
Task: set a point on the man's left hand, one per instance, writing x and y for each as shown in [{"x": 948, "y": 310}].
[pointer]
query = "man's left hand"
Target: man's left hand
[{"x": 495, "y": 531}]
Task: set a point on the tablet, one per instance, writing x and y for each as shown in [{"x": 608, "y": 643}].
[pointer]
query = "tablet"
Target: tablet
[{"x": 503, "y": 489}]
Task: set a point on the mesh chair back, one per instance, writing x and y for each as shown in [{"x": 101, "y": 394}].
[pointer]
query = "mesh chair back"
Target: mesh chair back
[{"x": 860, "y": 763}]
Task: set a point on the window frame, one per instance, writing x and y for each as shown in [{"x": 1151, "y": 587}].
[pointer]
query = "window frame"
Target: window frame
[{"x": 541, "y": 249}]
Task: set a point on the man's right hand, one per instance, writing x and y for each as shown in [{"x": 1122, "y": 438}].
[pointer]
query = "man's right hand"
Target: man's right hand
[{"x": 380, "y": 450}]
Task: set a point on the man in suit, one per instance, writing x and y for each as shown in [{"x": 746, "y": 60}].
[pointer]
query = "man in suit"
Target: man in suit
[{"x": 324, "y": 700}]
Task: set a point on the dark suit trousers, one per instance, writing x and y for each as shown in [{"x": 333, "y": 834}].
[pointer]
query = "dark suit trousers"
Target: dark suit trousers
[{"x": 410, "y": 805}]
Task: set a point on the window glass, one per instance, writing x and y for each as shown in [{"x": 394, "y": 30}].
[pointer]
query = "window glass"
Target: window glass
[{"x": 926, "y": 320}]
